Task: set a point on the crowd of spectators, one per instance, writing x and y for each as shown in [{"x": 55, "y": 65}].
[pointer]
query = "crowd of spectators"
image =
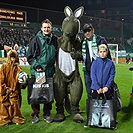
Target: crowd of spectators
[{"x": 21, "y": 37}]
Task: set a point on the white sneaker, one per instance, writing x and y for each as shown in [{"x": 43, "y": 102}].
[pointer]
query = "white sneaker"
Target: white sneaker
[
  {"x": 35, "y": 119},
  {"x": 48, "y": 119}
]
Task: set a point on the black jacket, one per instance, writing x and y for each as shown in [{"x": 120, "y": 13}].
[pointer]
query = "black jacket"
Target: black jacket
[{"x": 99, "y": 40}]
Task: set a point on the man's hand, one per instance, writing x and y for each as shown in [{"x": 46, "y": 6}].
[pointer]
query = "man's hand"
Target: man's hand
[{"x": 38, "y": 69}]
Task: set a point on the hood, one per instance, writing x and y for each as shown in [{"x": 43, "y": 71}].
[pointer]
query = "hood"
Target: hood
[{"x": 12, "y": 53}]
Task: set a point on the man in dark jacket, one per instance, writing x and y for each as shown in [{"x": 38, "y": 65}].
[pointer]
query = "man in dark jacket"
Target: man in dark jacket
[
  {"x": 89, "y": 52},
  {"x": 41, "y": 57}
]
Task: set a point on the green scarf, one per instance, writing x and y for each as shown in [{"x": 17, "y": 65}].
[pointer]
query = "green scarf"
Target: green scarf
[{"x": 93, "y": 46}]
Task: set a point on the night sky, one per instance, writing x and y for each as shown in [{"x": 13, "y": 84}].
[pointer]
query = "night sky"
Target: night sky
[{"x": 58, "y": 5}]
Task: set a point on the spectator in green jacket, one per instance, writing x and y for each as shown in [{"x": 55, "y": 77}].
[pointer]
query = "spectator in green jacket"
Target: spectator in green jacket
[{"x": 41, "y": 57}]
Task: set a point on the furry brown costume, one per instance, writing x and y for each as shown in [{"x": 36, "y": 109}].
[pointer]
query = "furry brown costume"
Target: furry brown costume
[{"x": 10, "y": 91}]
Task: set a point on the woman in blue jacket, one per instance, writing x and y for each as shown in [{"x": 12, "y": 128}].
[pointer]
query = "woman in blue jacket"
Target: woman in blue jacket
[{"x": 102, "y": 73}]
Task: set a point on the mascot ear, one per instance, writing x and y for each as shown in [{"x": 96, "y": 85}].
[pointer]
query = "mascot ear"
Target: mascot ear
[
  {"x": 78, "y": 13},
  {"x": 68, "y": 11}
]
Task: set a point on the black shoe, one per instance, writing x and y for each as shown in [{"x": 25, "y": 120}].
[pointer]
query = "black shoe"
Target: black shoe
[
  {"x": 35, "y": 119},
  {"x": 48, "y": 119}
]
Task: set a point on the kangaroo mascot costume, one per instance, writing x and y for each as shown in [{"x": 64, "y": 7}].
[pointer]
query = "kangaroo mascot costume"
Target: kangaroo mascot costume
[{"x": 67, "y": 80}]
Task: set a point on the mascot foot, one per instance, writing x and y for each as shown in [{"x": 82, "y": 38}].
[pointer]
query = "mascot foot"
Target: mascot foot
[
  {"x": 78, "y": 118},
  {"x": 59, "y": 117}
]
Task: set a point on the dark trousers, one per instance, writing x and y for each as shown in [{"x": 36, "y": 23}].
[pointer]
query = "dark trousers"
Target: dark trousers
[
  {"x": 88, "y": 81},
  {"x": 46, "y": 109},
  {"x": 36, "y": 107}
]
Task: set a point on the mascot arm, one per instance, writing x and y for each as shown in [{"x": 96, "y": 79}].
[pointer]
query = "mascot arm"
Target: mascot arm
[
  {"x": 76, "y": 55},
  {"x": 77, "y": 51}
]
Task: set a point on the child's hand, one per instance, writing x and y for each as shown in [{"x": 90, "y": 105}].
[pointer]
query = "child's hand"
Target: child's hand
[
  {"x": 105, "y": 89},
  {"x": 100, "y": 90}
]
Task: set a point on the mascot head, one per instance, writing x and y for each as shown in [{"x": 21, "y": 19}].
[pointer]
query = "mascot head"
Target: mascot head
[
  {"x": 70, "y": 28},
  {"x": 12, "y": 57},
  {"x": 71, "y": 24}
]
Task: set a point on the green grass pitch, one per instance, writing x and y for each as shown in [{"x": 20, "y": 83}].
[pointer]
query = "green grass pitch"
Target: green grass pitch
[{"x": 124, "y": 79}]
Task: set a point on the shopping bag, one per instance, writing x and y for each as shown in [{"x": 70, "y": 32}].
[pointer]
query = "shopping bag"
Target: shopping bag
[
  {"x": 30, "y": 82},
  {"x": 117, "y": 96},
  {"x": 41, "y": 93},
  {"x": 101, "y": 113}
]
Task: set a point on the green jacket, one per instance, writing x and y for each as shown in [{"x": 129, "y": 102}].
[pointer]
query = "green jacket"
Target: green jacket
[{"x": 41, "y": 54}]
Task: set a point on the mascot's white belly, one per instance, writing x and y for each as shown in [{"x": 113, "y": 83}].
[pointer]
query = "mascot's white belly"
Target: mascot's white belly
[{"x": 66, "y": 63}]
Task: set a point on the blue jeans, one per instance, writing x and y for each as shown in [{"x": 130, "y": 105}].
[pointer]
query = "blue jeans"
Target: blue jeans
[{"x": 88, "y": 81}]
